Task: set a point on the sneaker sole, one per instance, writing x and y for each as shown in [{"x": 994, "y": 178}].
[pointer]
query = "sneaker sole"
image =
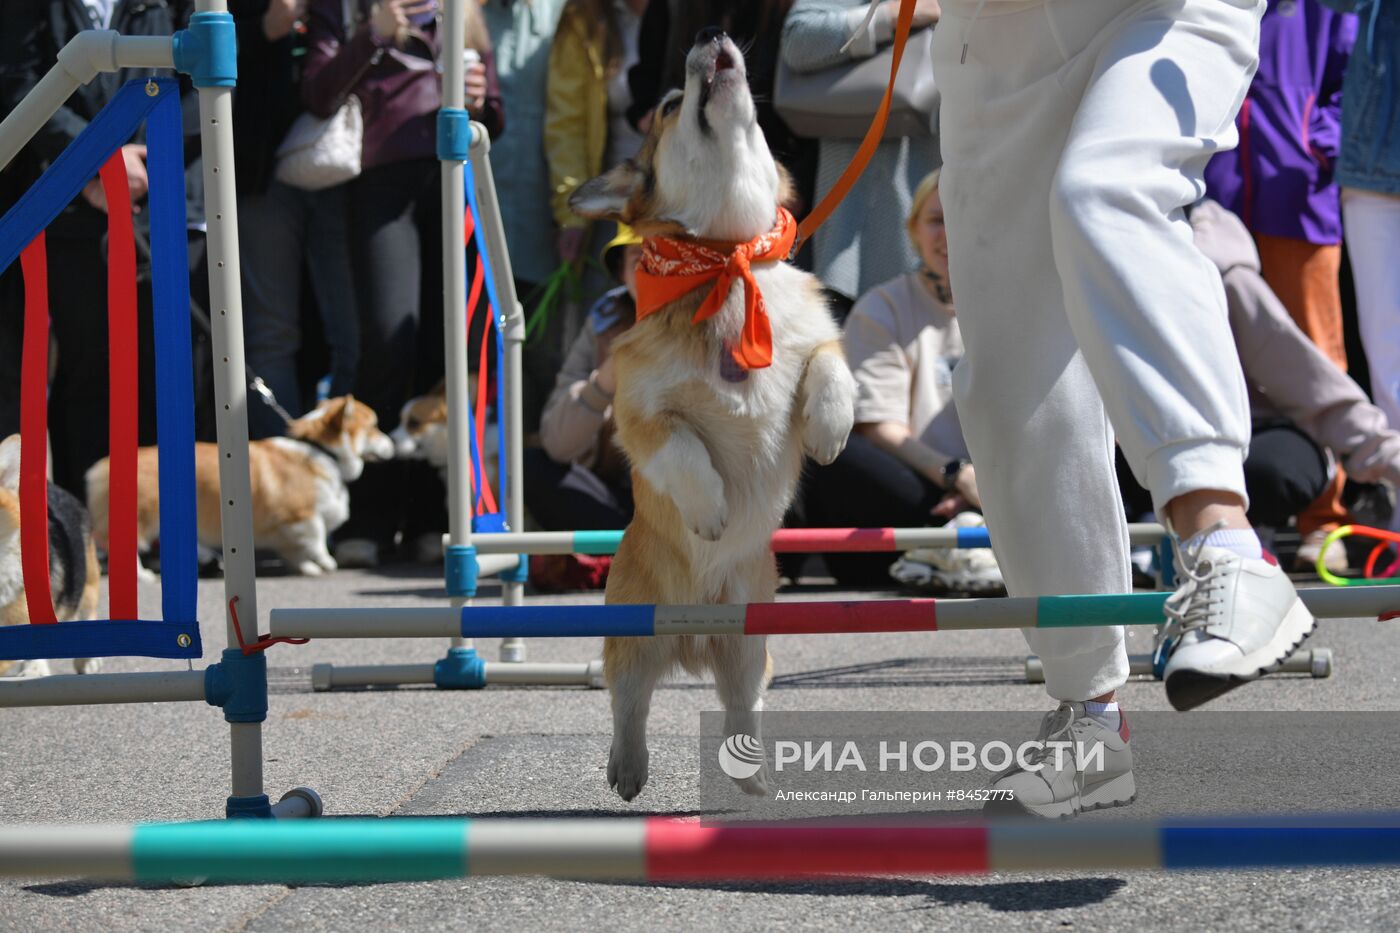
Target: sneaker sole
[
  {"x": 1117, "y": 792},
  {"x": 1188, "y": 689}
]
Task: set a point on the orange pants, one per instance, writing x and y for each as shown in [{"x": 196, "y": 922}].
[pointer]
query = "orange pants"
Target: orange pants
[{"x": 1305, "y": 276}]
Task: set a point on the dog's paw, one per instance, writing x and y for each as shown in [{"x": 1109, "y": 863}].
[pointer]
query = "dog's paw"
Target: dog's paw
[
  {"x": 327, "y": 563},
  {"x": 703, "y": 507},
  {"x": 757, "y": 785},
  {"x": 144, "y": 573},
  {"x": 309, "y": 568},
  {"x": 828, "y": 416},
  {"x": 87, "y": 665},
  {"x": 627, "y": 772},
  {"x": 26, "y": 669}
]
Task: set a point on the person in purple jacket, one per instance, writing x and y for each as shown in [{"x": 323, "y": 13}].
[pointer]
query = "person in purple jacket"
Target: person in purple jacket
[{"x": 1279, "y": 181}]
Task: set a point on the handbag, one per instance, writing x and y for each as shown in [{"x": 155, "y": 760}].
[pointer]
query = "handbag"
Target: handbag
[
  {"x": 838, "y": 102},
  {"x": 319, "y": 152}
]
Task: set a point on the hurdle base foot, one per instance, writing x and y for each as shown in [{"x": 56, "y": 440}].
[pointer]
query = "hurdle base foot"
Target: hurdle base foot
[
  {"x": 257, "y": 807},
  {"x": 299, "y": 803},
  {"x": 513, "y": 651}
]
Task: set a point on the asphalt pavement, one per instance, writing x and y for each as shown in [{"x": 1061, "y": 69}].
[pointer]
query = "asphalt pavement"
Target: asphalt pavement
[{"x": 542, "y": 751}]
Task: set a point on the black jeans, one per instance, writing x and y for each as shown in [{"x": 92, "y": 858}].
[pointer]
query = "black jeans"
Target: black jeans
[
  {"x": 569, "y": 497},
  {"x": 1284, "y": 472},
  {"x": 866, "y": 488},
  {"x": 396, "y": 250}
]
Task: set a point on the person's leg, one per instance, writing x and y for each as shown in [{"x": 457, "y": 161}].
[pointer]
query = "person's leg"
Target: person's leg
[
  {"x": 891, "y": 495},
  {"x": 328, "y": 263},
  {"x": 272, "y": 232},
  {"x": 386, "y": 253},
  {"x": 1283, "y": 473},
  {"x": 569, "y": 497},
  {"x": 1030, "y": 412},
  {"x": 1148, "y": 311},
  {"x": 1372, "y": 223},
  {"x": 1306, "y": 277},
  {"x": 79, "y": 394}
]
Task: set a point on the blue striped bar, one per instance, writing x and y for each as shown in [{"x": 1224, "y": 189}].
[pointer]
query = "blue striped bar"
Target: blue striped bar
[
  {"x": 1187, "y": 847},
  {"x": 557, "y": 621},
  {"x": 974, "y": 537}
]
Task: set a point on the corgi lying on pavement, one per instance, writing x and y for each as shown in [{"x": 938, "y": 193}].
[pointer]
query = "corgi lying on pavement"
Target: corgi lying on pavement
[
  {"x": 74, "y": 574},
  {"x": 715, "y": 407},
  {"x": 298, "y": 482}
]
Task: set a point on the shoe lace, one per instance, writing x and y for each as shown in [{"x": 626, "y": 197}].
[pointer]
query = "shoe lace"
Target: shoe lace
[{"x": 1190, "y": 607}]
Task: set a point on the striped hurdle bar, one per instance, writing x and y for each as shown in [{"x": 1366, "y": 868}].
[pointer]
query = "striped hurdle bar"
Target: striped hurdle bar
[
  {"x": 785, "y": 540},
  {"x": 662, "y": 849},
  {"x": 795, "y": 618}
]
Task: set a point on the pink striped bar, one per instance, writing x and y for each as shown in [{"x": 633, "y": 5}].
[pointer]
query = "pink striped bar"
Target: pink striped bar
[
  {"x": 845, "y": 540},
  {"x": 894, "y": 615}
]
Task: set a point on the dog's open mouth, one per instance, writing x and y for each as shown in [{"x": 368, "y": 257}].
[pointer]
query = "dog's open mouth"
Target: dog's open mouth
[{"x": 724, "y": 61}]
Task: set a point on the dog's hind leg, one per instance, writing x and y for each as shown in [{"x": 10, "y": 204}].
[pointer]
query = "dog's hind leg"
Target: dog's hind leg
[
  {"x": 87, "y": 605},
  {"x": 632, "y": 667},
  {"x": 741, "y": 673}
]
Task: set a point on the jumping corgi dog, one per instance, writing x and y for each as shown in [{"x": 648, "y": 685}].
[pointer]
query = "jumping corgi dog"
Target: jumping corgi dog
[
  {"x": 74, "y": 574},
  {"x": 718, "y": 398},
  {"x": 299, "y": 484}
]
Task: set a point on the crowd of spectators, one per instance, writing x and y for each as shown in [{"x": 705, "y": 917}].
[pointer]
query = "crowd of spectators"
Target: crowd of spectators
[{"x": 342, "y": 285}]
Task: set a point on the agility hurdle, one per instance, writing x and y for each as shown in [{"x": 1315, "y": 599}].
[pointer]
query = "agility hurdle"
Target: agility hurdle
[
  {"x": 796, "y": 618},
  {"x": 238, "y": 682},
  {"x": 660, "y": 849},
  {"x": 785, "y": 540}
]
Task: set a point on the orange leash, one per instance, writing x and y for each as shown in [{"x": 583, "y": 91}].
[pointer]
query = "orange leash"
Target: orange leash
[{"x": 873, "y": 136}]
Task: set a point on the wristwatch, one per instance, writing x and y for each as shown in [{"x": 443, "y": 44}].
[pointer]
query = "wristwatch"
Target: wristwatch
[{"x": 951, "y": 469}]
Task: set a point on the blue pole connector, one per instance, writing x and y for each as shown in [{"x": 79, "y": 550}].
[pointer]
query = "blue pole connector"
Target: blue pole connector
[
  {"x": 462, "y": 669},
  {"x": 460, "y": 570},
  {"x": 207, "y": 51},
  {"x": 454, "y": 134},
  {"x": 238, "y": 684},
  {"x": 520, "y": 573}
]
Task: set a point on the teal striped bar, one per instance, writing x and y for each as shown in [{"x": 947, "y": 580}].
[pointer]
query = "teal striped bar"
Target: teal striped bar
[
  {"x": 264, "y": 851},
  {"x": 597, "y": 542},
  {"x": 1099, "y": 609}
]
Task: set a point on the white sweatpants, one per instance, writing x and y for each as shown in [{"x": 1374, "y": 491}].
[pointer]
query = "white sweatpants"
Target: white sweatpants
[
  {"x": 1372, "y": 224},
  {"x": 1074, "y": 132}
]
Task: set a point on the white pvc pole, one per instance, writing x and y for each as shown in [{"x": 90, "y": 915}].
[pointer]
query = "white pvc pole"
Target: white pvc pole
[
  {"x": 95, "y": 689},
  {"x": 230, "y": 397}
]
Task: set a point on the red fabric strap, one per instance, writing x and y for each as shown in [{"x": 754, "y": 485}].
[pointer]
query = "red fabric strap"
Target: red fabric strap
[
  {"x": 122, "y": 376},
  {"x": 33, "y": 430},
  {"x": 485, "y": 500}
]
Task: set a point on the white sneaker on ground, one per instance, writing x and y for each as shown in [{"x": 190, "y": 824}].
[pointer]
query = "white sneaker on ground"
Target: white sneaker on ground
[
  {"x": 1334, "y": 560},
  {"x": 1231, "y": 620},
  {"x": 973, "y": 571},
  {"x": 1078, "y": 778},
  {"x": 357, "y": 552}
]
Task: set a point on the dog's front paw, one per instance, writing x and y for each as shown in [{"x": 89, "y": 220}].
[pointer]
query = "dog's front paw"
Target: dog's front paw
[
  {"x": 703, "y": 506},
  {"x": 827, "y": 421},
  {"x": 87, "y": 665},
  {"x": 627, "y": 771},
  {"x": 144, "y": 573},
  {"x": 327, "y": 563},
  {"x": 309, "y": 568}
]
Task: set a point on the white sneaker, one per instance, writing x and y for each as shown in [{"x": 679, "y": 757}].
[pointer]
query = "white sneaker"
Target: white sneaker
[
  {"x": 1334, "y": 560},
  {"x": 1231, "y": 620},
  {"x": 1077, "y": 779},
  {"x": 973, "y": 571}
]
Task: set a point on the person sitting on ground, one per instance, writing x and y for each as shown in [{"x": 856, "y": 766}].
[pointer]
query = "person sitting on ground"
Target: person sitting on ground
[
  {"x": 579, "y": 479},
  {"x": 906, "y": 456},
  {"x": 1309, "y": 417}
]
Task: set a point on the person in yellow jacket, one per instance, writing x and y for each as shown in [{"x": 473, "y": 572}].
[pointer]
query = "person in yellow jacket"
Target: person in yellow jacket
[{"x": 585, "y": 127}]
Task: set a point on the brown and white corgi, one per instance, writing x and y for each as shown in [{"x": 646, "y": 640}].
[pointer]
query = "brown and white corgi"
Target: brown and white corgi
[
  {"x": 298, "y": 484},
  {"x": 422, "y": 432},
  {"x": 715, "y": 446},
  {"x": 74, "y": 574}
]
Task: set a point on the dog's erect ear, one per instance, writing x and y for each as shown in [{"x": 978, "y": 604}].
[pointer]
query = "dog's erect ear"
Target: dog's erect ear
[
  {"x": 608, "y": 196},
  {"x": 9, "y": 463}
]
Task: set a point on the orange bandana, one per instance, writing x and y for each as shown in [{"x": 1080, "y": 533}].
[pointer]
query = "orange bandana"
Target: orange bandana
[{"x": 670, "y": 268}]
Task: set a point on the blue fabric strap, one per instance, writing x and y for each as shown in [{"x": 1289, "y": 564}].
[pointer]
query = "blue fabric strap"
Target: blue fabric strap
[
  {"x": 100, "y": 639},
  {"x": 170, "y": 293},
  {"x": 478, "y": 236},
  {"x": 78, "y": 164}
]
